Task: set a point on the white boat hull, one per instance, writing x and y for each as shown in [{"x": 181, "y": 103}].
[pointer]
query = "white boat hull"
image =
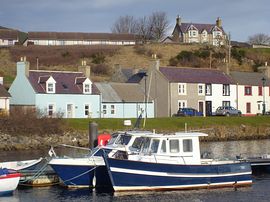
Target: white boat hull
[{"x": 8, "y": 183}]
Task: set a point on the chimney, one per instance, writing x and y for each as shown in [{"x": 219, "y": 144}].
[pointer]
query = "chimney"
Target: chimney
[
  {"x": 265, "y": 69},
  {"x": 218, "y": 22},
  {"x": 1, "y": 80},
  {"x": 23, "y": 67},
  {"x": 178, "y": 20},
  {"x": 85, "y": 69},
  {"x": 156, "y": 64}
]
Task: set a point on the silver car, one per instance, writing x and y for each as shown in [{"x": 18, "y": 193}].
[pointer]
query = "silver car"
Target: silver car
[{"x": 228, "y": 111}]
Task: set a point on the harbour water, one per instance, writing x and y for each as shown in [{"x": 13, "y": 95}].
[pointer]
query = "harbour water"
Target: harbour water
[{"x": 258, "y": 192}]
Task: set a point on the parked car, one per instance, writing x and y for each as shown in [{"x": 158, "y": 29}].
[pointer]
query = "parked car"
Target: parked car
[
  {"x": 228, "y": 111},
  {"x": 188, "y": 112}
]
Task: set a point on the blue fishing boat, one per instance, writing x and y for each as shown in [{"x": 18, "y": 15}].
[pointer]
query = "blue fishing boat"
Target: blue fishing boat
[
  {"x": 90, "y": 170},
  {"x": 168, "y": 162}
]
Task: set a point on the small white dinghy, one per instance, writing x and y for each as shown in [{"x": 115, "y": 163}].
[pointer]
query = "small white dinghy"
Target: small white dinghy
[
  {"x": 9, "y": 180},
  {"x": 20, "y": 165}
]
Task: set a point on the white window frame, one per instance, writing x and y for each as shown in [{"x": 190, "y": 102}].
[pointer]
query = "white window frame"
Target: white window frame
[
  {"x": 112, "y": 109},
  {"x": 87, "y": 88},
  {"x": 182, "y": 88},
  {"x": 87, "y": 112},
  {"x": 73, "y": 110},
  {"x": 50, "y": 87},
  {"x": 49, "y": 110},
  {"x": 201, "y": 89},
  {"x": 182, "y": 104},
  {"x": 226, "y": 89},
  {"x": 104, "y": 109},
  {"x": 210, "y": 89}
]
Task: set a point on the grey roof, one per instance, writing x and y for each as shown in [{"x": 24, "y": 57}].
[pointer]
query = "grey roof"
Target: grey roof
[
  {"x": 249, "y": 78},
  {"x": 121, "y": 92},
  {"x": 183, "y": 27},
  {"x": 195, "y": 75},
  {"x": 108, "y": 93}
]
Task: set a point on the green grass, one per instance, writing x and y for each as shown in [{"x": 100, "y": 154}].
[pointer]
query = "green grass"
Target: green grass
[{"x": 172, "y": 124}]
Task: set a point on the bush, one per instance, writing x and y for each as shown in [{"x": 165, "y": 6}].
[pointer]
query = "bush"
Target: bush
[
  {"x": 98, "y": 58},
  {"x": 100, "y": 69},
  {"x": 141, "y": 50},
  {"x": 22, "y": 121}
]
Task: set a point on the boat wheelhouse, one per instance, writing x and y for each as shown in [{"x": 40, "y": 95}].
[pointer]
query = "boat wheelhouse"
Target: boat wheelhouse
[{"x": 174, "y": 162}]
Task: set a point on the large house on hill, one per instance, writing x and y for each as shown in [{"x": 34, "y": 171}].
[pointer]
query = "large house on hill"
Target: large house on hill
[
  {"x": 212, "y": 34},
  {"x": 69, "y": 94},
  {"x": 78, "y": 38}
]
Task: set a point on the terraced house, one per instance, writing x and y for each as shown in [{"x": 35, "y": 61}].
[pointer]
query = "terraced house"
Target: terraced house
[
  {"x": 212, "y": 34},
  {"x": 64, "y": 93},
  {"x": 203, "y": 89}
]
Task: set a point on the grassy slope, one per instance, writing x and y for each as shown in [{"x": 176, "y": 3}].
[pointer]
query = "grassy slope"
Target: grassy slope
[{"x": 174, "y": 123}]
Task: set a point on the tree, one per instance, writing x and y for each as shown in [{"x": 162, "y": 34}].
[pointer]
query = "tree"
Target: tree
[
  {"x": 159, "y": 24},
  {"x": 148, "y": 28},
  {"x": 125, "y": 24},
  {"x": 260, "y": 39}
]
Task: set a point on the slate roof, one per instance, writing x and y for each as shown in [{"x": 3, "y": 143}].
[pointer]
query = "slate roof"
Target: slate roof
[
  {"x": 119, "y": 92},
  {"x": 208, "y": 27},
  {"x": 65, "y": 82},
  {"x": 9, "y": 34},
  {"x": 80, "y": 36},
  {"x": 4, "y": 92},
  {"x": 136, "y": 78},
  {"x": 195, "y": 75},
  {"x": 249, "y": 78}
]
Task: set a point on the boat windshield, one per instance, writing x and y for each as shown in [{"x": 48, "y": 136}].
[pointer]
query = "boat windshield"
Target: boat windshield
[
  {"x": 113, "y": 138},
  {"x": 137, "y": 144},
  {"x": 123, "y": 139}
]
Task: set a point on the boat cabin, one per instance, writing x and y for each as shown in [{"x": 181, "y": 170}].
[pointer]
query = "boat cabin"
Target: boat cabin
[{"x": 178, "y": 148}]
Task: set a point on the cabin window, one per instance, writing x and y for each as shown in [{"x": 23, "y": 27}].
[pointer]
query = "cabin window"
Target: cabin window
[
  {"x": 137, "y": 144},
  {"x": 113, "y": 138},
  {"x": 124, "y": 139},
  {"x": 146, "y": 145},
  {"x": 163, "y": 147},
  {"x": 154, "y": 146},
  {"x": 187, "y": 145},
  {"x": 174, "y": 146}
]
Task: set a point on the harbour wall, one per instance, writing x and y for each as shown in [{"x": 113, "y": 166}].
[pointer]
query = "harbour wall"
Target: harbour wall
[{"x": 81, "y": 138}]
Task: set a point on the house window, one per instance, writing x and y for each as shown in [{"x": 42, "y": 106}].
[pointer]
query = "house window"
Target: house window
[
  {"x": 226, "y": 89},
  {"x": 187, "y": 145},
  {"x": 226, "y": 103},
  {"x": 174, "y": 146},
  {"x": 260, "y": 90},
  {"x": 87, "y": 110},
  {"x": 104, "y": 109},
  {"x": 248, "y": 90},
  {"x": 248, "y": 107},
  {"x": 112, "y": 109},
  {"x": 51, "y": 110},
  {"x": 50, "y": 88},
  {"x": 200, "y": 89},
  {"x": 208, "y": 89},
  {"x": 182, "y": 104},
  {"x": 86, "y": 88},
  {"x": 181, "y": 89}
]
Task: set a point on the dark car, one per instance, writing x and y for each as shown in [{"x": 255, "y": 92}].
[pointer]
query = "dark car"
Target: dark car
[
  {"x": 188, "y": 112},
  {"x": 228, "y": 111}
]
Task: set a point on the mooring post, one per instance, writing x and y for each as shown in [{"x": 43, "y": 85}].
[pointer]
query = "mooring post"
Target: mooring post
[{"x": 93, "y": 133}]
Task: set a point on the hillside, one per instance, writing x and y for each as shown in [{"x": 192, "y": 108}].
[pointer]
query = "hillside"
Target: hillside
[{"x": 103, "y": 58}]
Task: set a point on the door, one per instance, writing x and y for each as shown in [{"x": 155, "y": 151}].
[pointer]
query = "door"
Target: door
[
  {"x": 201, "y": 107},
  {"x": 208, "y": 108},
  {"x": 69, "y": 110}
]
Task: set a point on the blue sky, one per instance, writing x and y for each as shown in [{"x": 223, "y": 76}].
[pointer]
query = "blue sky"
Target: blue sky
[{"x": 242, "y": 18}]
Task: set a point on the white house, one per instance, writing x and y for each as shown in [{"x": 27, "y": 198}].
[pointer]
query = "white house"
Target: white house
[{"x": 252, "y": 92}]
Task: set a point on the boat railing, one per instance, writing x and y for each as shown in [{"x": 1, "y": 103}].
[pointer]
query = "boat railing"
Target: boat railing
[{"x": 69, "y": 151}]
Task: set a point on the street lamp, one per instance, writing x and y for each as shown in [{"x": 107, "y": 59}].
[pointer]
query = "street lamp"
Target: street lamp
[{"x": 263, "y": 85}]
